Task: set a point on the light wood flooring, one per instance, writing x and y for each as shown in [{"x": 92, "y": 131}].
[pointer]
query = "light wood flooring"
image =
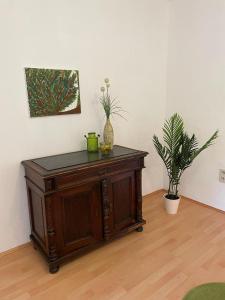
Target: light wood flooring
[{"x": 172, "y": 255}]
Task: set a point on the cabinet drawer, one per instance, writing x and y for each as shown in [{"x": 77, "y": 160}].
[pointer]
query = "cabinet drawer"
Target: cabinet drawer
[
  {"x": 124, "y": 166},
  {"x": 69, "y": 180},
  {"x": 80, "y": 177}
]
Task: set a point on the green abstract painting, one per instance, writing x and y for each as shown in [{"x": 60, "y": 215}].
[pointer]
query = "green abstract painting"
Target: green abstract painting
[{"x": 52, "y": 92}]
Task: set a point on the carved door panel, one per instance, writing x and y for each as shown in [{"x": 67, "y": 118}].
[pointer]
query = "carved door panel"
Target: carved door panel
[
  {"x": 123, "y": 201},
  {"x": 78, "y": 217}
]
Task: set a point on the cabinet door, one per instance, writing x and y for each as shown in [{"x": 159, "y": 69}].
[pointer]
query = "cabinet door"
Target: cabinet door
[
  {"x": 78, "y": 214},
  {"x": 123, "y": 200}
]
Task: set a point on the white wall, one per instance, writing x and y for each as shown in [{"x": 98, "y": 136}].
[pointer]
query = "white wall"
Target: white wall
[
  {"x": 196, "y": 89},
  {"x": 123, "y": 40}
]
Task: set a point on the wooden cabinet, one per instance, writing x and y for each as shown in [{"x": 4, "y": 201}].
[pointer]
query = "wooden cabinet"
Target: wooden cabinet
[{"x": 79, "y": 200}]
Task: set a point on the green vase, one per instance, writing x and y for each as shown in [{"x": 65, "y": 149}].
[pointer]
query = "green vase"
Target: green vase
[
  {"x": 108, "y": 134},
  {"x": 92, "y": 142}
]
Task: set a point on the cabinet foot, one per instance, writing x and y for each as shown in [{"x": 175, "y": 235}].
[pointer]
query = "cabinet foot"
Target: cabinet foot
[
  {"x": 34, "y": 247},
  {"x": 53, "y": 269},
  {"x": 140, "y": 229}
]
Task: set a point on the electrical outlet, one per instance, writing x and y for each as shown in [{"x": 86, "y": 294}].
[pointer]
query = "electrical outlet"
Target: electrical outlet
[{"x": 222, "y": 176}]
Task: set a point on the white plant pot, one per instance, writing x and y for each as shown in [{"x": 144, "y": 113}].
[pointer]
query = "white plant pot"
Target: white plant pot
[{"x": 171, "y": 205}]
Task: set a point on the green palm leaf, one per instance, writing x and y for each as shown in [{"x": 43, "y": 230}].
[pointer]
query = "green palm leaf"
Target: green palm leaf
[
  {"x": 173, "y": 129},
  {"x": 207, "y": 144}
]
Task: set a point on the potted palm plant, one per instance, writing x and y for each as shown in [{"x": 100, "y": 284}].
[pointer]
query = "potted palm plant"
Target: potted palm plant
[{"x": 178, "y": 153}]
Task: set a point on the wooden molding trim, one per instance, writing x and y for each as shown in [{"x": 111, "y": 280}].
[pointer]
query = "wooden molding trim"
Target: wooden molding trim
[
  {"x": 203, "y": 204},
  {"x": 14, "y": 249},
  {"x": 153, "y": 193},
  {"x": 189, "y": 199}
]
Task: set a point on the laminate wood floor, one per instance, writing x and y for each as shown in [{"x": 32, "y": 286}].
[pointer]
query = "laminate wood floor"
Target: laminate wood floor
[{"x": 172, "y": 255}]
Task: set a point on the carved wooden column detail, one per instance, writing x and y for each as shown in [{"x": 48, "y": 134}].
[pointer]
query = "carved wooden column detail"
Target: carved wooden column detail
[
  {"x": 52, "y": 255},
  {"x": 106, "y": 208},
  {"x": 139, "y": 195}
]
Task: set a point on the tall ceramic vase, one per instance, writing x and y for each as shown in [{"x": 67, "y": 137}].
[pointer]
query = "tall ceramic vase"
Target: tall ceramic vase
[{"x": 108, "y": 133}]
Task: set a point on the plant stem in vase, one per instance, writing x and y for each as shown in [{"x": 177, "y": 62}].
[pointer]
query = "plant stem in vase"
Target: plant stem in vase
[
  {"x": 108, "y": 133},
  {"x": 111, "y": 108}
]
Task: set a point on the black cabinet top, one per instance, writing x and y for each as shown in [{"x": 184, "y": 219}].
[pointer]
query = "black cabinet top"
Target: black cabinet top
[{"x": 50, "y": 164}]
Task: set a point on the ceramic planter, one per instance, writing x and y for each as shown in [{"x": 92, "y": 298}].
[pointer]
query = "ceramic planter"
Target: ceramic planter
[{"x": 171, "y": 206}]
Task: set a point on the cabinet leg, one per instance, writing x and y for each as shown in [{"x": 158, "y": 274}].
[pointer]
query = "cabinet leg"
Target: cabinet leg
[
  {"x": 140, "y": 229},
  {"x": 53, "y": 268},
  {"x": 34, "y": 246}
]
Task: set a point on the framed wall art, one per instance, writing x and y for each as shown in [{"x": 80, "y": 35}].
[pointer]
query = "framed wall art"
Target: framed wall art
[{"x": 53, "y": 92}]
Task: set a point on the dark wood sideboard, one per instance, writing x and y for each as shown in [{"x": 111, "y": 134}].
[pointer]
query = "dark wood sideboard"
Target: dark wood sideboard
[{"x": 80, "y": 200}]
